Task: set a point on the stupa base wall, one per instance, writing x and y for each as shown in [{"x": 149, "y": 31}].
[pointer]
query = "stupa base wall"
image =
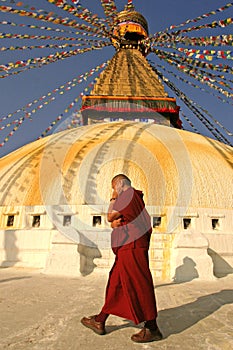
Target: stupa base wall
[
  {"x": 25, "y": 248},
  {"x": 171, "y": 253}
]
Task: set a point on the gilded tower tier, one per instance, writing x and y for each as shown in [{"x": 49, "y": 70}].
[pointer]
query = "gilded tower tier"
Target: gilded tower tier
[{"x": 129, "y": 88}]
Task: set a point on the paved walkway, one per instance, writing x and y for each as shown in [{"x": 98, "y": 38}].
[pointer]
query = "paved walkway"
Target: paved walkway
[{"x": 43, "y": 312}]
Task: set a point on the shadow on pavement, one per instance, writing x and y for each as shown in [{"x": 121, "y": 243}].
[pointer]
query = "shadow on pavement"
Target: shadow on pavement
[
  {"x": 127, "y": 324},
  {"x": 180, "y": 318},
  {"x": 14, "y": 278},
  {"x": 177, "y": 319}
]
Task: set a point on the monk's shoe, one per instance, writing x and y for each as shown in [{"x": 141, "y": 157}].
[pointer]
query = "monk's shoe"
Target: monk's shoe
[
  {"x": 146, "y": 335},
  {"x": 97, "y": 327}
]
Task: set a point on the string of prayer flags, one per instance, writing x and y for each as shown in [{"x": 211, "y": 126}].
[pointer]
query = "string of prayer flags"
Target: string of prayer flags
[
  {"x": 169, "y": 57},
  {"x": 214, "y": 77},
  {"x": 190, "y": 104},
  {"x": 6, "y": 139},
  {"x": 51, "y": 126},
  {"x": 60, "y": 117},
  {"x": 190, "y": 123},
  {"x": 71, "y": 105},
  {"x": 73, "y": 123},
  {"x": 74, "y": 102},
  {"x": 192, "y": 84},
  {"x": 173, "y": 35},
  {"x": 12, "y": 123},
  {"x": 219, "y": 40},
  {"x": 48, "y": 59},
  {"x": 62, "y": 21},
  {"x": 197, "y": 63},
  {"x": 51, "y": 46},
  {"x": 84, "y": 13},
  {"x": 221, "y": 9},
  {"x": 35, "y": 37},
  {"x": 60, "y": 90},
  {"x": 110, "y": 11},
  {"x": 221, "y": 23},
  {"x": 26, "y": 6},
  {"x": 22, "y": 25},
  {"x": 229, "y": 133},
  {"x": 88, "y": 88},
  {"x": 109, "y": 8},
  {"x": 202, "y": 64},
  {"x": 208, "y": 55}
]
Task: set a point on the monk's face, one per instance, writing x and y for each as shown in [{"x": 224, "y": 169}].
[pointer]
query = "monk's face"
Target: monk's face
[{"x": 117, "y": 186}]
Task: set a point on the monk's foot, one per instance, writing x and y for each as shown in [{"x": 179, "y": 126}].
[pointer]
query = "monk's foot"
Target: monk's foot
[
  {"x": 97, "y": 327},
  {"x": 146, "y": 335}
]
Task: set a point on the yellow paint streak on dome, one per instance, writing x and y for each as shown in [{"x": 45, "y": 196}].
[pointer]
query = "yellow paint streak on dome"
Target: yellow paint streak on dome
[
  {"x": 117, "y": 166},
  {"x": 19, "y": 171},
  {"x": 172, "y": 167},
  {"x": 212, "y": 166}
]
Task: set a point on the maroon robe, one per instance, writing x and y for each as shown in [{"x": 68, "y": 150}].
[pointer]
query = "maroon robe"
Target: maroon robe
[{"x": 130, "y": 290}]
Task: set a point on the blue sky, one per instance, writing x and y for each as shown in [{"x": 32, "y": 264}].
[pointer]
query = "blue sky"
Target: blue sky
[{"x": 21, "y": 89}]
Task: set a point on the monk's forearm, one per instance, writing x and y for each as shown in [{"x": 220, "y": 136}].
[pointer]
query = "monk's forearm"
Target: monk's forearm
[{"x": 112, "y": 214}]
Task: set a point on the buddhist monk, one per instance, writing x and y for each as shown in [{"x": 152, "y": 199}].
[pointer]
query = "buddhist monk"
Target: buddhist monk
[{"x": 130, "y": 292}]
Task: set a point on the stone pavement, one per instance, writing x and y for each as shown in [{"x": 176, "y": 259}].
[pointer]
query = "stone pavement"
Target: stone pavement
[{"x": 43, "y": 312}]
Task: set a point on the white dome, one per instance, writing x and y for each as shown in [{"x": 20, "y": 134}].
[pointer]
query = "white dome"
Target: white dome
[{"x": 172, "y": 167}]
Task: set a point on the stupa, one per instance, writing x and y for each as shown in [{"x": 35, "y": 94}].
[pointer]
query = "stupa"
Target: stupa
[{"x": 55, "y": 191}]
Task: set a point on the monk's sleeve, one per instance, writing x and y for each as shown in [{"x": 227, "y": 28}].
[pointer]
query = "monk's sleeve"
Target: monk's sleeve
[{"x": 130, "y": 205}]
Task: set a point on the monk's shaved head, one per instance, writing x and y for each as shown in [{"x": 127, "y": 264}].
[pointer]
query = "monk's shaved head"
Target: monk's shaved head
[{"x": 123, "y": 177}]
